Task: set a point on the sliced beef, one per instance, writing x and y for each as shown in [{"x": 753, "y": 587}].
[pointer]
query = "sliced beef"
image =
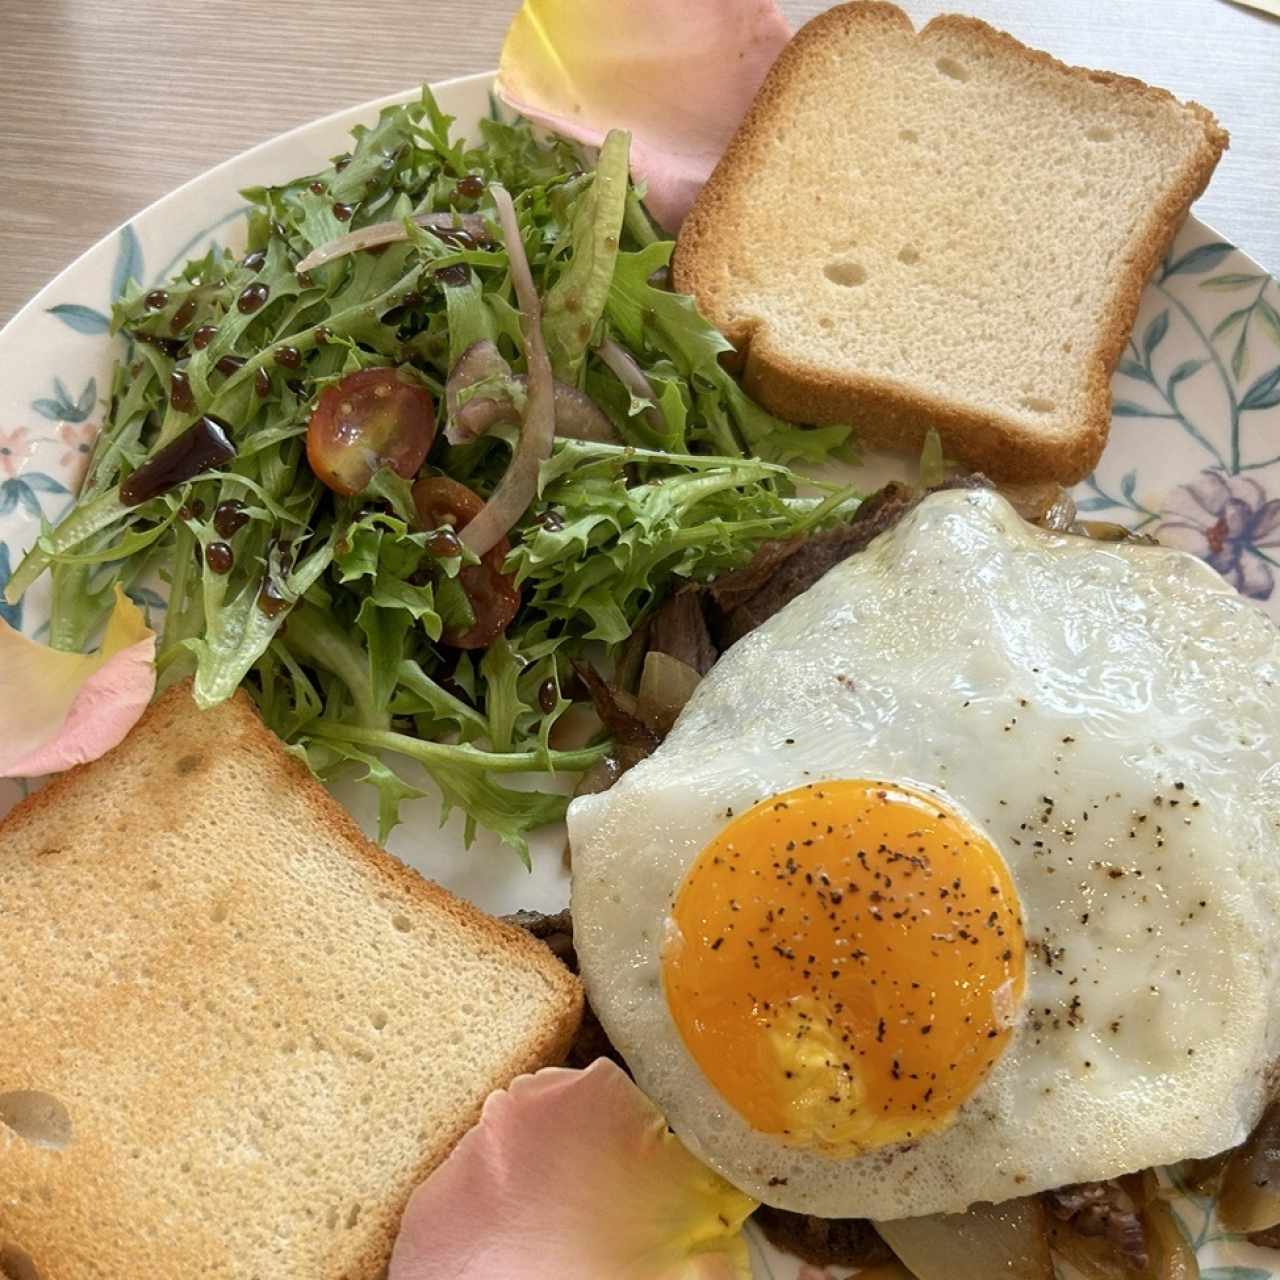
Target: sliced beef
[
  {"x": 616, "y": 709},
  {"x": 557, "y": 932},
  {"x": 780, "y": 571},
  {"x": 1102, "y": 1209},
  {"x": 679, "y": 628},
  {"x": 824, "y": 1242}
]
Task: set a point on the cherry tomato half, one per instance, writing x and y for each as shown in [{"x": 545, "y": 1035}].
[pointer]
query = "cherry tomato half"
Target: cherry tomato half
[
  {"x": 370, "y": 419},
  {"x": 494, "y": 597}
]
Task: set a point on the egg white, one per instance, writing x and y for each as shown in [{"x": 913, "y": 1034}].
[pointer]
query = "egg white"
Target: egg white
[{"x": 1110, "y": 715}]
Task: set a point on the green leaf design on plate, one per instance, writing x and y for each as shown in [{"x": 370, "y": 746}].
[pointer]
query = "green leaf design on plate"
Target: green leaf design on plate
[
  {"x": 1154, "y": 335},
  {"x": 1132, "y": 369},
  {"x": 1265, "y": 393},
  {"x": 42, "y": 483},
  {"x": 1227, "y": 321},
  {"x": 10, "y": 613},
  {"x": 1127, "y": 409},
  {"x": 1236, "y": 1273},
  {"x": 1232, "y": 280},
  {"x": 1261, "y": 306},
  {"x": 1270, "y": 319},
  {"x": 128, "y": 262},
  {"x": 1240, "y": 356},
  {"x": 1203, "y": 257},
  {"x": 1184, "y": 371},
  {"x": 60, "y": 407},
  {"x": 81, "y": 319}
]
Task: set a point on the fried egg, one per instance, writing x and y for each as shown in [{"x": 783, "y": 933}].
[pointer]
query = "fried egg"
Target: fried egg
[{"x": 958, "y": 879}]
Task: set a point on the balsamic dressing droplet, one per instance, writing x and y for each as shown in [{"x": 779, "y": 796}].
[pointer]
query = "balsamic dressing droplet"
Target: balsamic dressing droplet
[
  {"x": 343, "y": 212},
  {"x": 229, "y": 518},
  {"x": 458, "y": 236},
  {"x": 288, "y": 357},
  {"x": 271, "y": 600},
  {"x": 229, "y": 364},
  {"x": 182, "y": 317},
  {"x": 262, "y": 383},
  {"x": 469, "y": 188},
  {"x": 219, "y": 557},
  {"x": 444, "y": 544},
  {"x": 457, "y": 274},
  {"x": 156, "y": 300},
  {"x": 180, "y": 392},
  {"x": 201, "y": 447},
  {"x": 204, "y": 335},
  {"x": 172, "y": 347},
  {"x": 547, "y": 696},
  {"x": 192, "y": 510},
  {"x": 254, "y": 260},
  {"x": 252, "y": 296},
  {"x": 317, "y": 188}
]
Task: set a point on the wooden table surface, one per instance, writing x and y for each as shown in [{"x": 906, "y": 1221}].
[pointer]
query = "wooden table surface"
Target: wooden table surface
[{"x": 106, "y": 104}]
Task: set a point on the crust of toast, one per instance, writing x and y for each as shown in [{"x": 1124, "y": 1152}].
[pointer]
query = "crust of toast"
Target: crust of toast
[
  {"x": 240, "y": 729},
  {"x": 896, "y": 415}
]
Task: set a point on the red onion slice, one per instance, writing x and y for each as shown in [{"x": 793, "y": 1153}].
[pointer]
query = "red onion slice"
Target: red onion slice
[
  {"x": 578, "y": 417},
  {"x": 472, "y": 418},
  {"x": 634, "y": 378},
  {"x": 519, "y": 483},
  {"x": 469, "y": 230}
]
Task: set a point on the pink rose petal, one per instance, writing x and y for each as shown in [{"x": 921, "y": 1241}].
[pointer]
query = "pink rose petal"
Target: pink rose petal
[
  {"x": 678, "y": 75},
  {"x": 572, "y": 1175},
  {"x": 61, "y": 709}
]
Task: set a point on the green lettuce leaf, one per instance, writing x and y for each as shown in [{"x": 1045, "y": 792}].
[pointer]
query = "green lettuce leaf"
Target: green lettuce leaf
[
  {"x": 574, "y": 304},
  {"x": 652, "y": 320}
]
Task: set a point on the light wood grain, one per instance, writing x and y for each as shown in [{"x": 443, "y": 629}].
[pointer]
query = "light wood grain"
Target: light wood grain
[{"x": 106, "y": 105}]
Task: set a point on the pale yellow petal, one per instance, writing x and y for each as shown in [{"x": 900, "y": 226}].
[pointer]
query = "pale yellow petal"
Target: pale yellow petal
[
  {"x": 679, "y": 76},
  {"x": 61, "y": 709}
]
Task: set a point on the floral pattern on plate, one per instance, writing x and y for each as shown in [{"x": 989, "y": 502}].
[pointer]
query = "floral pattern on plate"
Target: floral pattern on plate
[
  {"x": 1194, "y": 457},
  {"x": 1195, "y": 448}
]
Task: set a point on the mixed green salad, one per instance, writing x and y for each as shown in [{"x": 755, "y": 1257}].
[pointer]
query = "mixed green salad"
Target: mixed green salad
[{"x": 298, "y": 455}]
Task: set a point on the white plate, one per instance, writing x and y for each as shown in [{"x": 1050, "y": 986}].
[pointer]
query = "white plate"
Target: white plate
[{"x": 1194, "y": 455}]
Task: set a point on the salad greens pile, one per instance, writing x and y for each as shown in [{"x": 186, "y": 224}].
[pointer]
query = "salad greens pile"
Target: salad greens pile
[{"x": 333, "y": 609}]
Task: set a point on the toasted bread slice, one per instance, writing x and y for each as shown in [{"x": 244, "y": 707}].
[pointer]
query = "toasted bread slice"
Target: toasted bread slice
[
  {"x": 234, "y": 1034},
  {"x": 942, "y": 229}
]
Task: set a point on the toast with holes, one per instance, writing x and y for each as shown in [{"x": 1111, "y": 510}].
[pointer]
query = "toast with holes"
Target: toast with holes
[
  {"x": 236, "y": 1034},
  {"x": 945, "y": 229}
]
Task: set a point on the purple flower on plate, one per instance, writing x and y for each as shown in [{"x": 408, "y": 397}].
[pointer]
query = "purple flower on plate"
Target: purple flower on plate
[{"x": 1228, "y": 521}]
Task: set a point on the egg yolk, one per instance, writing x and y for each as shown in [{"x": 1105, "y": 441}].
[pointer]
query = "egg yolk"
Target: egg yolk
[{"x": 845, "y": 963}]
